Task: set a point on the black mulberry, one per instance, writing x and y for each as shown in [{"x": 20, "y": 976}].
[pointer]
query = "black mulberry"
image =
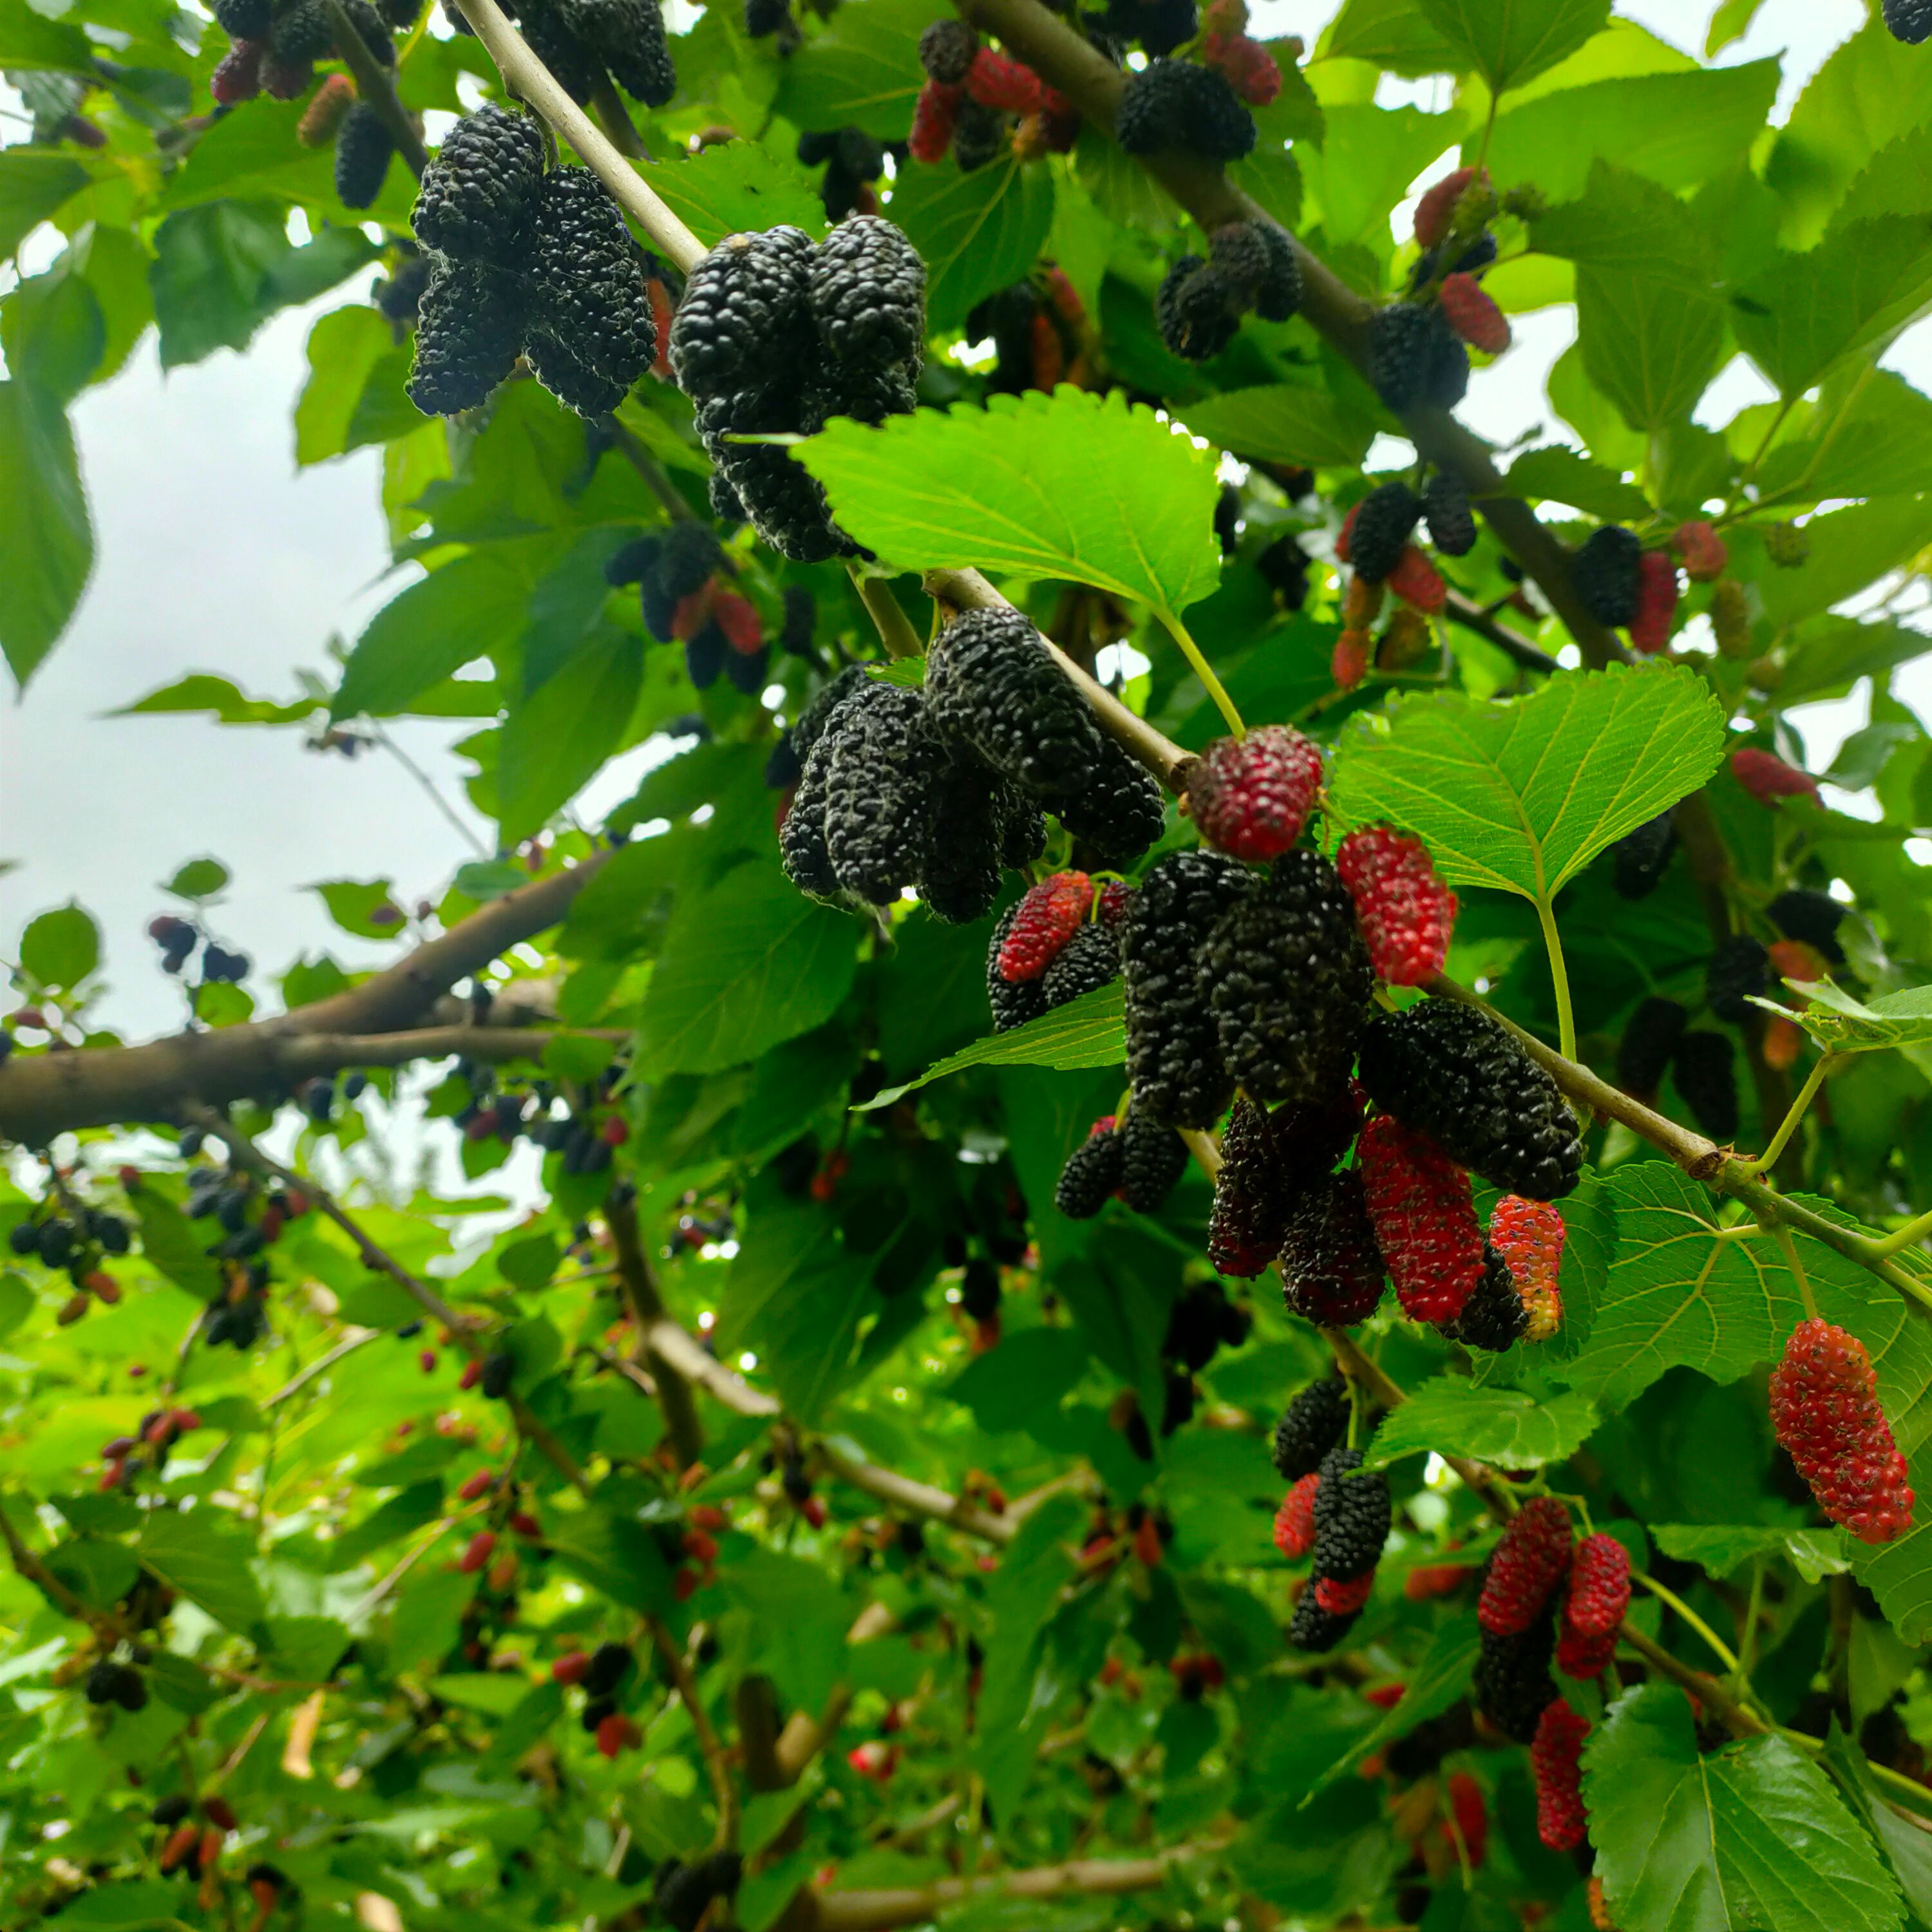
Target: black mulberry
[
  {"x": 946, "y": 51},
  {"x": 1705, "y": 1069},
  {"x": 880, "y": 763},
  {"x": 745, "y": 317},
  {"x": 589, "y": 392},
  {"x": 1116, "y": 814},
  {"x": 1380, "y": 530},
  {"x": 572, "y": 65},
  {"x": 588, "y": 275},
  {"x": 1512, "y": 1684},
  {"x": 1415, "y": 359},
  {"x": 302, "y": 33},
  {"x": 1811, "y": 918},
  {"x": 1173, "y": 1049},
  {"x": 1174, "y": 105},
  {"x": 468, "y": 326},
  {"x": 783, "y": 498},
  {"x": 363, "y": 147},
  {"x": 867, "y": 286},
  {"x": 480, "y": 188},
  {"x": 1315, "y": 1421},
  {"x": 965, "y": 805},
  {"x": 866, "y": 395},
  {"x": 1452, "y": 1072},
  {"x": 803, "y": 851},
  {"x": 1494, "y": 1317},
  {"x": 1091, "y": 1174},
  {"x": 1452, "y": 523},
  {"x": 243, "y": 20},
  {"x": 627, "y": 37},
  {"x": 1639, "y": 859},
  {"x": 1739, "y": 968},
  {"x": 1313, "y": 1629},
  {"x": 1256, "y": 261},
  {"x": 1650, "y": 1037},
  {"x": 1195, "y": 310},
  {"x": 1352, "y": 1514},
  {"x": 1091, "y": 958},
  {"x": 1249, "y": 1215},
  {"x": 1331, "y": 1269},
  {"x": 1604, "y": 573},
  {"x": 1152, "y": 1158},
  {"x": 979, "y": 133},
  {"x": 1289, "y": 982},
  {"x": 1909, "y": 20},
  {"x": 992, "y": 684}
]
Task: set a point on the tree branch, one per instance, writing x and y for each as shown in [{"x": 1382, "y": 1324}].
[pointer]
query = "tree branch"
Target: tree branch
[
  {"x": 716, "y": 1763},
  {"x": 639, "y": 1283},
  {"x": 376, "y": 84},
  {"x": 1465, "y": 612},
  {"x": 44, "y": 1094}
]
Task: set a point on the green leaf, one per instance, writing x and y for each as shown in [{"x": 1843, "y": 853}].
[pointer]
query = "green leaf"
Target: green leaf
[
  {"x": 210, "y": 276},
  {"x": 1651, "y": 347},
  {"x": 170, "y": 1243},
  {"x": 224, "y": 701},
  {"x": 1860, "y": 284},
  {"x": 614, "y": 1555},
  {"x": 1831, "y": 653},
  {"x": 1721, "y": 1548},
  {"x": 1396, "y": 35},
  {"x": 749, "y": 963},
  {"x": 554, "y": 741},
  {"x": 46, "y": 540},
  {"x": 1906, "y": 1846},
  {"x": 343, "y": 346},
  {"x": 1731, "y": 22},
  {"x": 472, "y": 607},
  {"x": 53, "y": 331},
  {"x": 1441, "y": 1678},
  {"x": 352, "y": 904},
  {"x": 1752, "y": 1835},
  {"x": 1071, "y": 485},
  {"x": 495, "y": 1694},
  {"x": 199, "y": 879},
  {"x": 62, "y": 947},
  {"x": 1876, "y": 442},
  {"x": 1625, "y": 222},
  {"x": 1521, "y": 795},
  {"x": 206, "y": 1562},
  {"x": 1509, "y": 41},
  {"x": 734, "y": 187},
  {"x": 1089, "y": 1031},
  {"x": 29, "y": 40},
  {"x": 1368, "y": 157},
  {"x": 978, "y": 232},
  {"x": 33, "y": 183},
  {"x": 1557, "y": 475},
  {"x": 1507, "y": 1427},
  {"x": 1844, "y": 1025},
  {"x": 862, "y": 71},
  {"x": 1281, "y": 422},
  {"x": 1677, "y": 129}
]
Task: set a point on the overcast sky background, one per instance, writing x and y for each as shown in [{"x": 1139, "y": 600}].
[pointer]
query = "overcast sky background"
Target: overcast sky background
[{"x": 215, "y": 554}]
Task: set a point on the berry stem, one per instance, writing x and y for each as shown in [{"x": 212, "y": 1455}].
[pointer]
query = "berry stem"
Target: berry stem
[
  {"x": 1912, "y": 1231},
  {"x": 894, "y": 627},
  {"x": 1191, "y": 651},
  {"x": 1796, "y": 1113},
  {"x": 1559, "y": 977},
  {"x": 1720, "y": 1649},
  {"x": 1797, "y": 1268}
]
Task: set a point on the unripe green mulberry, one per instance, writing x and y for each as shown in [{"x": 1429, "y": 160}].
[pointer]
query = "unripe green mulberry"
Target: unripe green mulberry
[
  {"x": 480, "y": 188},
  {"x": 468, "y": 328},
  {"x": 867, "y": 287},
  {"x": 363, "y": 147},
  {"x": 1289, "y": 982}
]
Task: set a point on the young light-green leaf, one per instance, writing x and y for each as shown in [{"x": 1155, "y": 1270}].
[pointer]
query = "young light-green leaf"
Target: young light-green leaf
[
  {"x": 1072, "y": 485},
  {"x": 1520, "y": 796},
  {"x": 1281, "y": 422},
  {"x": 1844, "y": 1025},
  {"x": 1451, "y": 1416},
  {"x": 1753, "y": 1835},
  {"x": 47, "y": 537},
  {"x": 1722, "y": 1549},
  {"x": 977, "y": 231},
  {"x": 1513, "y": 41}
]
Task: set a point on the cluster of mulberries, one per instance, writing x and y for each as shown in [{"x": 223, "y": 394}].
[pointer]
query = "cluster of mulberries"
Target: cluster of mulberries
[
  {"x": 1059, "y": 940},
  {"x": 1350, "y": 1511},
  {"x": 775, "y": 335},
  {"x": 1038, "y": 332},
  {"x": 1267, "y": 1162},
  {"x": 1627, "y": 588},
  {"x": 581, "y": 40},
  {"x": 1134, "y": 1161},
  {"x": 1249, "y": 265},
  {"x": 1825, "y": 1409},
  {"x": 852, "y": 160},
  {"x": 688, "y": 597},
  {"x": 1376, "y": 541},
  {"x": 524, "y": 261},
  {"x": 1173, "y": 106},
  {"x": 974, "y": 96},
  {"x": 273, "y": 48},
  {"x": 1251, "y": 69},
  {"x": 364, "y": 145}
]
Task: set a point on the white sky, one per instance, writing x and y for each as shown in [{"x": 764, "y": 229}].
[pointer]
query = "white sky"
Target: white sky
[{"x": 216, "y": 554}]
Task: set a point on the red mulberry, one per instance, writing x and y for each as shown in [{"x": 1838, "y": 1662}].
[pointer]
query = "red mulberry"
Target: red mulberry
[
  {"x": 1251, "y": 796},
  {"x": 1049, "y": 916},
  {"x": 933, "y": 115},
  {"x": 1599, "y": 1587},
  {"x": 1528, "y": 1564},
  {"x": 1343, "y": 1600},
  {"x": 1703, "y": 550},
  {"x": 1295, "y": 1521},
  {"x": 1331, "y": 1269},
  {"x": 1556, "y": 1757},
  {"x": 1529, "y": 1235},
  {"x": 1768, "y": 777},
  {"x": 1405, "y": 911},
  {"x": 1656, "y": 603},
  {"x": 1472, "y": 313},
  {"x": 1436, "y": 212},
  {"x": 997, "y": 80},
  {"x": 1582, "y": 1657},
  {"x": 1418, "y": 582},
  {"x": 1825, "y": 1409},
  {"x": 1420, "y": 1205}
]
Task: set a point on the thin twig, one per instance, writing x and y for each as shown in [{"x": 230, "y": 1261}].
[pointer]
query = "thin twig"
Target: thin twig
[
  {"x": 376, "y": 84},
  {"x": 894, "y": 627},
  {"x": 716, "y": 1765},
  {"x": 639, "y": 1285},
  {"x": 1472, "y": 616}
]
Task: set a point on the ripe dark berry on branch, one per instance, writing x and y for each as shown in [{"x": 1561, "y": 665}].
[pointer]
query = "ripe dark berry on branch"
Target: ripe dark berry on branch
[
  {"x": 244, "y": 19},
  {"x": 991, "y": 683},
  {"x": 1406, "y": 912},
  {"x": 867, "y": 287},
  {"x": 1812, "y": 917},
  {"x": 1158, "y": 25},
  {"x": 1196, "y": 311},
  {"x": 1738, "y": 969},
  {"x": 1414, "y": 359},
  {"x": 1526, "y": 1567},
  {"x": 1315, "y": 1421},
  {"x": 468, "y": 330},
  {"x": 1256, "y": 262},
  {"x": 1091, "y": 958},
  {"x": 1352, "y": 1513},
  {"x": 1909, "y": 20},
  {"x": 1825, "y": 1409},
  {"x": 1704, "y": 1068},
  {"x": 1289, "y": 982},
  {"x": 363, "y": 147},
  {"x": 745, "y": 317},
  {"x": 1650, "y": 1037},
  {"x": 945, "y": 50},
  {"x": 1116, "y": 814},
  {"x": 1091, "y": 1172},
  {"x": 479, "y": 190},
  {"x": 1172, "y": 106},
  {"x": 1512, "y": 1684},
  {"x": 1604, "y": 572},
  {"x": 1445, "y": 506},
  {"x": 627, "y": 37},
  {"x": 1316, "y": 1629},
  {"x": 1331, "y": 1269},
  {"x": 1153, "y": 1158},
  {"x": 966, "y": 806},
  {"x": 1251, "y": 796},
  {"x": 1173, "y": 1054},
  {"x": 1379, "y": 528},
  {"x": 880, "y": 762},
  {"x": 1420, "y": 1207},
  {"x": 1638, "y": 859},
  {"x": 572, "y": 65},
  {"x": 1495, "y": 1316},
  {"x": 1252, "y": 1196},
  {"x": 1452, "y": 1072},
  {"x": 588, "y": 278}
]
